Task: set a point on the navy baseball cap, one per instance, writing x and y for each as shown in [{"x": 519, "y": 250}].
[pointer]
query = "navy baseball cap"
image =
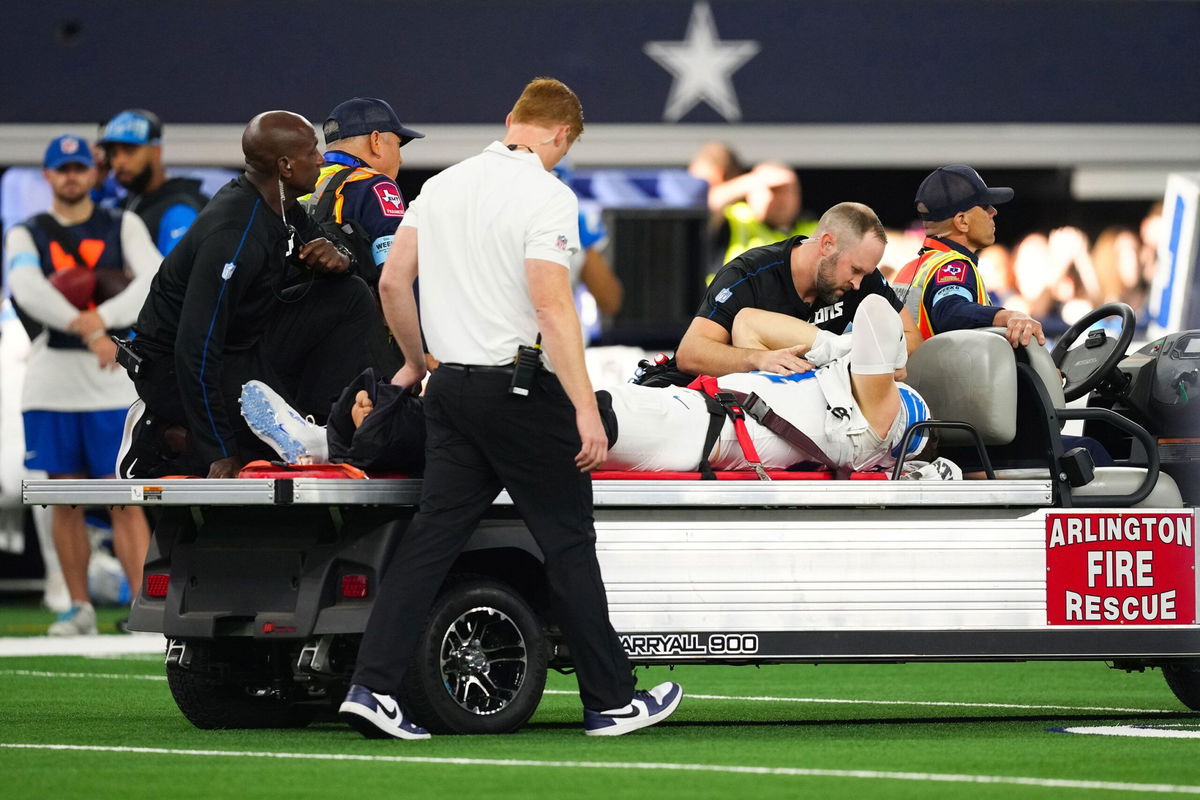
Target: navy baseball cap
[
  {"x": 133, "y": 126},
  {"x": 362, "y": 115},
  {"x": 67, "y": 150},
  {"x": 948, "y": 190}
]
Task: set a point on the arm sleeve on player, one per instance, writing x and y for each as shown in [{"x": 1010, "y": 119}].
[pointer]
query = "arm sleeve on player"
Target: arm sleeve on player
[
  {"x": 30, "y": 288},
  {"x": 142, "y": 259}
]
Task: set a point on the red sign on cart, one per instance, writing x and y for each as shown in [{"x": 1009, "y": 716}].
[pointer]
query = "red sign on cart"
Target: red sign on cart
[{"x": 1121, "y": 568}]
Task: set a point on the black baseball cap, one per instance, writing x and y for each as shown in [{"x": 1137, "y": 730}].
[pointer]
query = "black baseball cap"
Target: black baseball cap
[
  {"x": 948, "y": 190},
  {"x": 362, "y": 115}
]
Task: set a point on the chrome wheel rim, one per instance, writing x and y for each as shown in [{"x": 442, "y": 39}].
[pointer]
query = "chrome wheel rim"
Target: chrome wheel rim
[{"x": 483, "y": 660}]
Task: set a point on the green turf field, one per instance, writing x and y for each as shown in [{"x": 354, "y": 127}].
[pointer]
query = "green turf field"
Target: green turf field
[{"x": 920, "y": 730}]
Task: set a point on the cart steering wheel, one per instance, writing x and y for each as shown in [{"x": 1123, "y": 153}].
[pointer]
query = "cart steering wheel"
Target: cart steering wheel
[{"x": 1085, "y": 367}]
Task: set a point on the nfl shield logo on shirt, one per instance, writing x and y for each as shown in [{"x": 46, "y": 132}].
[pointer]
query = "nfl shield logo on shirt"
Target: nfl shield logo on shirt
[
  {"x": 227, "y": 271},
  {"x": 723, "y": 295},
  {"x": 561, "y": 242}
]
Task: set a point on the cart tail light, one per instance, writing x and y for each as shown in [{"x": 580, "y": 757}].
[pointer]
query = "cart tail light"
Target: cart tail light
[
  {"x": 354, "y": 586},
  {"x": 156, "y": 585}
]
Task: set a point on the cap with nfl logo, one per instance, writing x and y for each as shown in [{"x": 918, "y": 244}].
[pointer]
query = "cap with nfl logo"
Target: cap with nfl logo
[{"x": 67, "y": 150}]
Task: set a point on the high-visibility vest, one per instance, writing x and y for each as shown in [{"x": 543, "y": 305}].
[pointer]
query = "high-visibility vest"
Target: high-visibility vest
[
  {"x": 746, "y": 232},
  {"x": 910, "y": 283},
  {"x": 310, "y": 201}
]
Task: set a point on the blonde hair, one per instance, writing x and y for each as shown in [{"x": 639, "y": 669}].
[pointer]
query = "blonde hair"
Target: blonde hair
[
  {"x": 855, "y": 220},
  {"x": 549, "y": 102}
]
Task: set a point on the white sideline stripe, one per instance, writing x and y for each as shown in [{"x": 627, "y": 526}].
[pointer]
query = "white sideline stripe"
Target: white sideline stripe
[
  {"x": 33, "y": 673},
  {"x": 104, "y": 644},
  {"x": 1136, "y": 731},
  {"x": 941, "y": 777},
  {"x": 943, "y": 703}
]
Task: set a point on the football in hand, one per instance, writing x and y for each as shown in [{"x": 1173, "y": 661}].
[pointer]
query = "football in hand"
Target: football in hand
[
  {"x": 76, "y": 284},
  {"x": 109, "y": 283}
]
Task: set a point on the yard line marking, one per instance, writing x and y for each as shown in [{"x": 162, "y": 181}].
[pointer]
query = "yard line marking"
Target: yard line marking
[
  {"x": 33, "y": 673},
  {"x": 99, "y": 645},
  {"x": 1137, "y": 731},
  {"x": 802, "y": 772},
  {"x": 946, "y": 703},
  {"x": 764, "y": 699}
]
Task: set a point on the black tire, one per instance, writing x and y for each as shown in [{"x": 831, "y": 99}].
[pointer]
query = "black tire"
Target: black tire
[
  {"x": 1184, "y": 679},
  {"x": 480, "y": 665},
  {"x": 230, "y": 686}
]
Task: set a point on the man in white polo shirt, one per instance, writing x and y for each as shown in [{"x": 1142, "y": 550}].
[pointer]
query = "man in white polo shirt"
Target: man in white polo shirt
[{"x": 495, "y": 234}]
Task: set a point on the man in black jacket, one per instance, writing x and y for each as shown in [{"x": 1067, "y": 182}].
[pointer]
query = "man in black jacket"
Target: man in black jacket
[{"x": 218, "y": 314}]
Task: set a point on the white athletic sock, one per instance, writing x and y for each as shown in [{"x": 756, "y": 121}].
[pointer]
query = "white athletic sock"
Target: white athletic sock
[
  {"x": 826, "y": 347},
  {"x": 878, "y": 346}
]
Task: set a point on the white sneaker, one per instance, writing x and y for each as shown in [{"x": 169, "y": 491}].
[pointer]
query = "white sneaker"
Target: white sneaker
[
  {"x": 940, "y": 469},
  {"x": 378, "y": 716},
  {"x": 78, "y": 620},
  {"x": 297, "y": 440},
  {"x": 56, "y": 597},
  {"x": 648, "y": 707}
]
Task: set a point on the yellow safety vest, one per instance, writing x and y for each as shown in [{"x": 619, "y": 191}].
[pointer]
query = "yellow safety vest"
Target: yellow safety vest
[
  {"x": 912, "y": 280},
  {"x": 310, "y": 201},
  {"x": 746, "y": 232}
]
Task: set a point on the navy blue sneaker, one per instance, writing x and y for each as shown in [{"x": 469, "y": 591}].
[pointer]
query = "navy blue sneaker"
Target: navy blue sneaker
[
  {"x": 646, "y": 708},
  {"x": 377, "y": 716}
]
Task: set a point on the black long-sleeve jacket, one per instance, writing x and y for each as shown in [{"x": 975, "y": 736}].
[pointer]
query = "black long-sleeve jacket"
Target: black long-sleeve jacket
[{"x": 214, "y": 294}]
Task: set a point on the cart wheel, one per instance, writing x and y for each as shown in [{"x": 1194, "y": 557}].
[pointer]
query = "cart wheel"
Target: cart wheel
[
  {"x": 231, "y": 686},
  {"x": 1184, "y": 679},
  {"x": 481, "y": 661}
]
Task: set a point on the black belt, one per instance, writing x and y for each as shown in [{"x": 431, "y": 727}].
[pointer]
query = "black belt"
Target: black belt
[{"x": 477, "y": 368}]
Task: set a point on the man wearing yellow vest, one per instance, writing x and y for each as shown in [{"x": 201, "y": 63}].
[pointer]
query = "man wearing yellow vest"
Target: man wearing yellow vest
[
  {"x": 942, "y": 287},
  {"x": 357, "y": 189},
  {"x": 759, "y": 207}
]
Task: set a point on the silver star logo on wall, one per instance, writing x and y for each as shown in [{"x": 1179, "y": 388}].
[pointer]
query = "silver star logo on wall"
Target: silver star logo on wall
[{"x": 702, "y": 67}]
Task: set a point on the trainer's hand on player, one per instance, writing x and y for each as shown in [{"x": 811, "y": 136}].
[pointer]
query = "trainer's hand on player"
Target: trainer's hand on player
[
  {"x": 361, "y": 408},
  {"x": 410, "y": 376},
  {"x": 781, "y": 362},
  {"x": 227, "y": 467},
  {"x": 322, "y": 257},
  {"x": 594, "y": 440}
]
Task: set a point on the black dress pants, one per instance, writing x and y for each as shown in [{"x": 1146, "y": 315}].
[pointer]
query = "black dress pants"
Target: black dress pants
[{"x": 481, "y": 438}]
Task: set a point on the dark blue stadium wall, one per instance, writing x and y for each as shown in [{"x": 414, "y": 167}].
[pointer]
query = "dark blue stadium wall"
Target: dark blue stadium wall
[{"x": 463, "y": 61}]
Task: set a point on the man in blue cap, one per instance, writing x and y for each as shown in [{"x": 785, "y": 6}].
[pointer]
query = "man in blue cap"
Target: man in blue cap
[
  {"x": 132, "y": 142},
  {"x": 942, "y": 287},
  {"x": 357, "y": 199},
  {"x": 69, "y": 270}
]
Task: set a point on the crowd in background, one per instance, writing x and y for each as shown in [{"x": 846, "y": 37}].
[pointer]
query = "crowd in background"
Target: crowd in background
[{"x": 1059, "y": 276}]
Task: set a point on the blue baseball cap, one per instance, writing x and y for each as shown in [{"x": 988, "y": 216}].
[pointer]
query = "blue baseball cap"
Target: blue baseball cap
[
  {"x": 133, "y": 126},
  {"x": 948, "y": 190},
  {"x": 362, "y": 115},
  {"x": 67, "y": 150}
]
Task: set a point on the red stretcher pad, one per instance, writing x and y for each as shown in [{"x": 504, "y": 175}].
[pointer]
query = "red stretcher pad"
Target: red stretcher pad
[{"x": 267, "y": 469}]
